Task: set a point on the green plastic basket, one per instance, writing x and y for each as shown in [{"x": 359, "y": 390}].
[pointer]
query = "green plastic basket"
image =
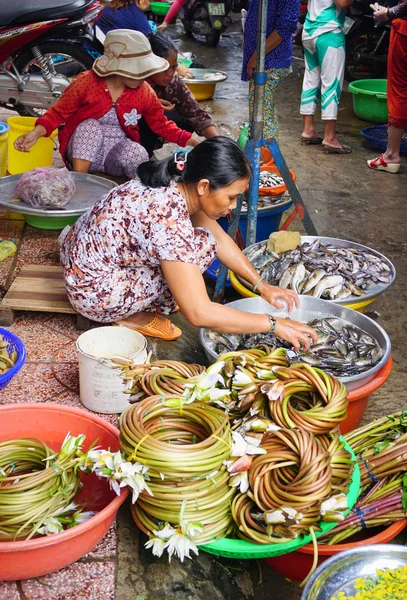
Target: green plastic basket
[
  {"x": 160, "y": 8},
  {"x": 370, "y": 99},
  {"x": 51, "y": 223},
  {"x": 240, "y": 549}
]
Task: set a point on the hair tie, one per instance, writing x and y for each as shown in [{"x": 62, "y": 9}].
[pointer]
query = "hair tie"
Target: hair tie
[{"x": 180, "y": 160}]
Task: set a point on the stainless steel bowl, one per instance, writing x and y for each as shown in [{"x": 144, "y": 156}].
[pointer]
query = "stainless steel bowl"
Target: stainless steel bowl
[
  {"x": 372, "y": 292},
  {"x": 315, "y": 308},
  {"x": 199, "y": 76},
  {"x": 339, "y": 573},
  {"x": 89, "y": 189}
]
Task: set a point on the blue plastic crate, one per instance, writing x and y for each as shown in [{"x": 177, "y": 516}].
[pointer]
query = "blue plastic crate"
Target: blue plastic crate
[{"x": 14, "y": 344}]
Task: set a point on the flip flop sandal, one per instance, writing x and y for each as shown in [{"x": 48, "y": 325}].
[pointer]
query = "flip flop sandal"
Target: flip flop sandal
[
  {"x": 379, "y": 164},
  {"x": 332, "y": 150},
  {"x": 312, "y": 141},
  {"x": 158, "y": 327}
]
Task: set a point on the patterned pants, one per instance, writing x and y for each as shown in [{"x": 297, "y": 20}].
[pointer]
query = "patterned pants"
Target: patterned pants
[
  {"x": 324, "y": 73},
  {"x": 106, "y": 146},
  {"x": 274, "y": 77}
]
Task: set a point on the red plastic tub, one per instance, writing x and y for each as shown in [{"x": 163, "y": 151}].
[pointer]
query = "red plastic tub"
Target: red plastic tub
[
  {"x": 359, "y": 398},
  {"x": 297, "y": 565},
  {"x": 51, "y": 422}
]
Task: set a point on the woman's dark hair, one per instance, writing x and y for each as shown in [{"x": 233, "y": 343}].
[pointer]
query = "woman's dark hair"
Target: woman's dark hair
[
  {"x": 162, "y": 45},
  {"x": 220, "y": 160},
  {"x": 118, "y": 4}
]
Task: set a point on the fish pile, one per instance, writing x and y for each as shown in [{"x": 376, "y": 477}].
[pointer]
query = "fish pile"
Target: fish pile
[
  {"x": 322, "y": 271},
  {"x": 214, "y": 76},
  {"x": 270, "y": 180},
  {"x": 342, "y": 350}
]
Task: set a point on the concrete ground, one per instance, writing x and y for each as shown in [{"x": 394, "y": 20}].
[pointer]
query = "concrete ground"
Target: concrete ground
[{"x": 345, "y": 200}]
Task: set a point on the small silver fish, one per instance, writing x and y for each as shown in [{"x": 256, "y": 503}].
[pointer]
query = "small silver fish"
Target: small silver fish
[
  {"x": 326, "y": 283},
  {"x": 313, "y": 280},
  {"x": 286, "y": 278}
]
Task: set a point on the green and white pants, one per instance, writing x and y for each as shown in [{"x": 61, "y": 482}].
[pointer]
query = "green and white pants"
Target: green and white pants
[{"x": 324, "y": 72}]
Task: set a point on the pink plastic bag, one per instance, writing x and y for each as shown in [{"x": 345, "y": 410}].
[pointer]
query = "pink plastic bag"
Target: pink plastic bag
[{"x": 46, "y": 187}]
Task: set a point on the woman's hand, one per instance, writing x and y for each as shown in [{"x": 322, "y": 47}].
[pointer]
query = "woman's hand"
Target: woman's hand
[
  {"x": 26, "y": 141},
  {"x": 251, "y": 65},
  {"x": 380, "y": 12},
  {"x": 278, "y": 297},
  {"x": 162, "y": 27},
  {"x": 298, "y": 334},
  {"x": 167, "y": 106},
  {"x": 192, "y": 142},
  {"x": 183, "y": 71}
]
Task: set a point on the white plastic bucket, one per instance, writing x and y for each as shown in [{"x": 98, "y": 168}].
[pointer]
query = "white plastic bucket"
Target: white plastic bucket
[{"x": 101, "y": 387}]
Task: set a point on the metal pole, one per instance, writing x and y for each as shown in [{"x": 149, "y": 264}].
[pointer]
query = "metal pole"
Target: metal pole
[{"x": 260, "y": 79}]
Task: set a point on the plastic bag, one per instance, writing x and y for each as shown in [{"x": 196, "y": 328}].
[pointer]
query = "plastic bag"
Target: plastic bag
[{"x": 46, "y": 187}]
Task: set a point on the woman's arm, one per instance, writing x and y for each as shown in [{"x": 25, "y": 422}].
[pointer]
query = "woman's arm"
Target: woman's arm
[
  {"x": 153, "y": 113},
  {"x": 399, "y": 11},
  {"x": 188, "y": 288},
  {"x": 178, "y": 94},
  {"x": 172, "y": 13},
  {"x": 67, "y": 105},
  {"x": 230, "y": 255}
]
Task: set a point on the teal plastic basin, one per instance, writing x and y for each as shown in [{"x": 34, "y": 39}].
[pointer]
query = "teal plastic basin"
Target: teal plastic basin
[{"x": 370, "y": 99}]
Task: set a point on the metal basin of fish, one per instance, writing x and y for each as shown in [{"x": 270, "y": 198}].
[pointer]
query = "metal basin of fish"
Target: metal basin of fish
[
  {"x": 371, "y": 292},
  {"x": 311, "y": 309}
]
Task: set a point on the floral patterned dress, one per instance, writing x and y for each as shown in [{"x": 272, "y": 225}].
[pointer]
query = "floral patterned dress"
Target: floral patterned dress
[{"x": 111, "y": 256}]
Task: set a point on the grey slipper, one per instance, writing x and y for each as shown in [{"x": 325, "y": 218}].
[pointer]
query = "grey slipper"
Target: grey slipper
[
  {"x": 332, "y": 150},
  {"x": 312, "y": 141}
]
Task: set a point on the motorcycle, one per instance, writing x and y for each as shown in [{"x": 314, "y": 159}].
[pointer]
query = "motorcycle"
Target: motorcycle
[
  {"x": 367, "y": 43},
  {"x": 209, "y": 19},
  {"x": 41, "y": 49}
]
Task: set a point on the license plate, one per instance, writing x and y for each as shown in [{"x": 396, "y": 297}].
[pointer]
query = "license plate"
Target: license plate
[
  {"x": 216, "y": 9},
  {"x": 347, "y": 26}
]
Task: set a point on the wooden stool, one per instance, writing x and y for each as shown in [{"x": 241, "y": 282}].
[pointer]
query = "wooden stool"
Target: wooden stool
[{"x": 39, "y": 288}]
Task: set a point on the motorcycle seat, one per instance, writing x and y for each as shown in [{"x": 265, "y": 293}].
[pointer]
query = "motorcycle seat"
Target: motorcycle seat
[{"x": 16, "y": 12}]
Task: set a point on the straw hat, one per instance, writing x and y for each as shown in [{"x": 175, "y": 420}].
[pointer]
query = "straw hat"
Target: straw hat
[{"x": 128, "y": 53}]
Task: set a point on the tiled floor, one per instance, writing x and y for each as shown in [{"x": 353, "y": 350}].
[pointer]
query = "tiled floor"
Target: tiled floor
[{"x": 51, "y": 375}]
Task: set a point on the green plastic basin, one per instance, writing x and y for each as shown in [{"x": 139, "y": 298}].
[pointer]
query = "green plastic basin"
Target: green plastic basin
[
  {"x": 370, "y": 99},
  {"x": 53, "y": 223},
  {"x": 160, "y": 8}
]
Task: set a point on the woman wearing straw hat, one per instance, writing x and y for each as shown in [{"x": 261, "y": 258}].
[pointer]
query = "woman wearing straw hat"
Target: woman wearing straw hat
[{"x": 101, "y": 109}]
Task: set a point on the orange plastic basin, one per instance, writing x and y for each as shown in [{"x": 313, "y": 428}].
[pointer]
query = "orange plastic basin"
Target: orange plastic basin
[
  {"x": 359, "y": 398},
  {"x": 297, "y": 565},
  {"x": 277, "y": 190},
  {"x": 51, "y": 423},
  {"x": 266, "y": 158}
]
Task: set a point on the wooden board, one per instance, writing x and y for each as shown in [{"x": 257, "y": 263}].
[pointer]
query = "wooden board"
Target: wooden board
[{"x": 38, "y": 288}]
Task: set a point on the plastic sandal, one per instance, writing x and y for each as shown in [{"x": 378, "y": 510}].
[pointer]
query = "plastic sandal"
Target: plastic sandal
[
  {"x": 379, "y": 164},
  {"x": 332, "y": 150},
  {"x": 158, "y": 326},
  {"x": 312, "y": 141}
]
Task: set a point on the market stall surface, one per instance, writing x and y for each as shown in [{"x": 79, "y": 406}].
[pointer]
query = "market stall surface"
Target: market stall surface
[{"x": 345, "y": 200}]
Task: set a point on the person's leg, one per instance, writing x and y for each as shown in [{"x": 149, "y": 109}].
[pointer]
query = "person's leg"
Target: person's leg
[
  {"x": 331, "y": 53},
  {"x": 124, "y": 159},
  {"x": 85, "y": 146},
  {"x": 397, "y": 103},
  {"x": 310, "y": 90},
  {"x": 274, "y": 78},
  {"x": 148, "y": 139}
]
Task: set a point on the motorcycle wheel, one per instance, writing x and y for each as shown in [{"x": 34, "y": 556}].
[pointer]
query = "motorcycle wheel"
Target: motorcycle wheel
[
  {"x": 67, "y": 59},
  {"x": 357, "y": 44},
  {"x": 212, "y": 39}
]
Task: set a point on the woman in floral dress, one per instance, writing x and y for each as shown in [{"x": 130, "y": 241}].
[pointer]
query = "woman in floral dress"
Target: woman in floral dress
[{"x": 143, "y": 248}]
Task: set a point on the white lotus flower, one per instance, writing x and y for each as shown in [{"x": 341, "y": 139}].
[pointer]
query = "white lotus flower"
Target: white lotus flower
[
  {"x": 240, "y": 378},
  {"x": 81, "y": 517},
  {"x": 274, "y": 392},
  {"x": 192, "y": 529},
  {"x": 50, "y": 526},
  {"x": 218, "y": 394},
  {"x": 67, "y": 509},
  {"x": 180, "y": 545},
  {"x": 282, "y": 515},
  {"x": 165, "y": 533},
  {"x": 240, "y": 480},
  {"x": 245, "y": 445},
  {"x": 334, "y": 503},
  {"x": 157, "y": 545}
]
